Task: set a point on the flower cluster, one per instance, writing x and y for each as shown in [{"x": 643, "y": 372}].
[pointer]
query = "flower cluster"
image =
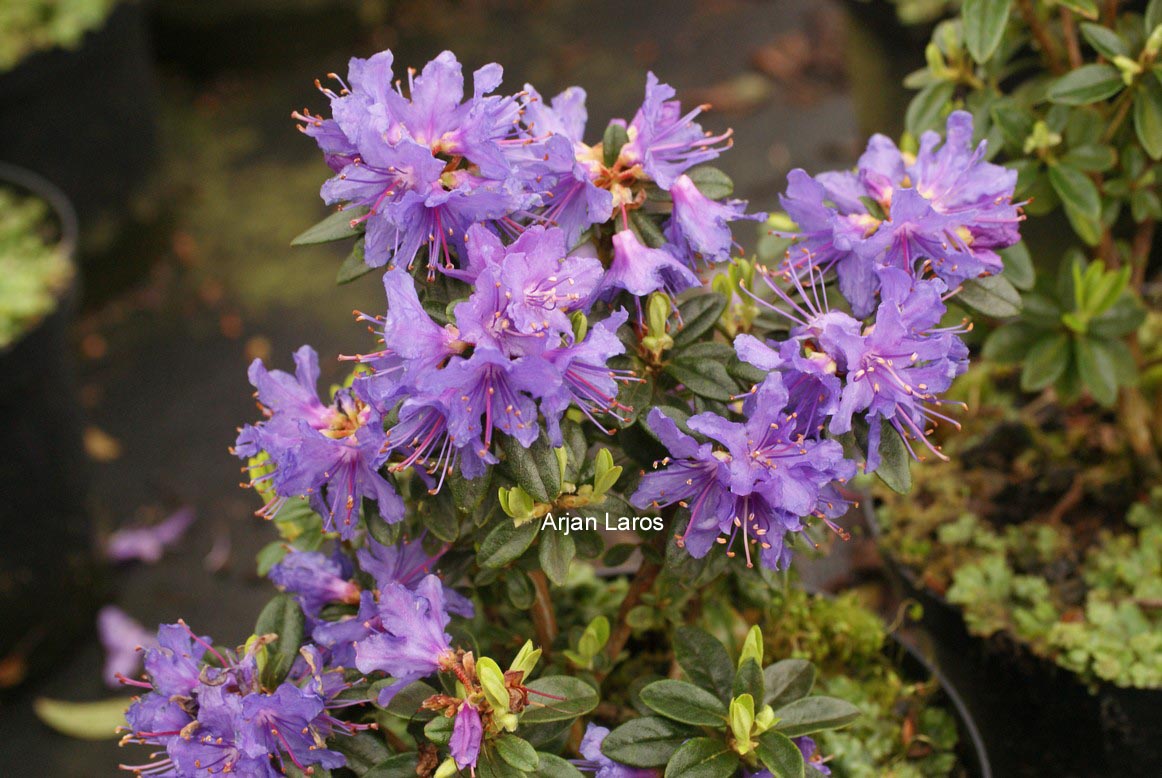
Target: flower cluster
[
  {"x": 943, "y": 212},
  {"x": 215, "y": 717},
  {"x": 419, "y": 171}
]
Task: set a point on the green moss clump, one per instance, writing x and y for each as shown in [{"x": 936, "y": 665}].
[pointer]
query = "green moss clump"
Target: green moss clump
[
  {"x": 29, "y": 26},
  {"x": 900, "y": 734},
  {"x": 33, "y": 267}
]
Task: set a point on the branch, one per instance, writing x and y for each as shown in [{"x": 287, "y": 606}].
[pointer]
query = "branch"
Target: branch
[
  {"x": 1140, "y": 253},
  {"x": 1069, "y": 31},
  {"x": 642, "y": 582},
  {"x": 544, "y": 615},
  {"x": 1041, "y": 33}
]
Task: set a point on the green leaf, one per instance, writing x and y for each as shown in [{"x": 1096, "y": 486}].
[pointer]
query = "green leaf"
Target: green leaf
[
  {"x": 354, "y": 266},
  {"x": 711, "y": 181},
  {"x": 1091, "y": 158},
  {"x": 439, "y": 730},
  {"x": 650, "y": 233},
  {"x": 815, "y": 714},
  {"x": 270, "y": 555},
  {"x": 1018, "y": 266},
  {"x": 556, "y": 553},
  {"x": 1088, "y": 84},
  {"x": 1087, "y": 8},
  {"x": 84, "y": 720},
  {"x": 364, "y": 750},
  {"x": 1080, "y": 197},
  {"x": 1148, "y": 116},
  {"x": 1104, "y": 40},
  {"x": 398, "y": 766},
  {"x": 991, "y": 295},
  {"x": 406, "y": 703},
  {"x": 1097, "y": 370},
  {"x": 702, "y": 757},
  {"x": 705, "y": 379},
  {"x": 895, "y": 467},
  {"x": 517, "y": 752},
  {"x": 684, "y": 702},
  {"x": 780, "y": 755},
  {"x": 984, "y": 24},
  {"x": 1153, "y": 16},
  {"x": 1122, "y": 318},
  {"x": 535, "y": 468},
  {"x": 552, "y": 766},
  {"x": 749, "y": 680},
  {"x": 337, "y": 226},
  {"x": 578, "y": 698},
  {"x": 787, "y": 680},
  {"x": 506, "y": 542},
  {"x": 282, "y": 616},
  {"x": 1045, "y": 363},
  {"x": 646, "y": 742},
  {"x": 1010, "y": 343},
  {"x": 927, "y": 108},
  {"x": 704, "y": 660},
  {"x": 615, "y": 137},
  {"x": 699, "y": 315}
]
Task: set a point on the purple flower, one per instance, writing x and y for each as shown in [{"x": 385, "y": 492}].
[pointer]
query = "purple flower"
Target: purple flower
[
  {"x": 329, "y": 453},
  {"x": 640, "y": 270},
  {"x": 586, "y": 380},
  {"x": 467, "y": 734},
  {"x": 124, "y": 640},
  {"x": 315, "y": 579},
  {"x": 700, "y": 227},
  {"x": 339, "y": 637},
  {"x": 148, "y": 543},
  {"x": 666, "y": 142},
  {"x": 410, "y": 642},
  {"x": 408, "y": 563},
  {"x": 282, "y": 723},
  {"x": 600, "y": 765},
  {"x": 422, "y": 435},
  {"x": 811, "y": 754},
  {"x": 174, "y": 666}
]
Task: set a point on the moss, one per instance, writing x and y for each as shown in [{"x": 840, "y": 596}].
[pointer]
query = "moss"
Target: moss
[
  {"x": 33, "y": 25},
  {"x": 34, "y": 267}
]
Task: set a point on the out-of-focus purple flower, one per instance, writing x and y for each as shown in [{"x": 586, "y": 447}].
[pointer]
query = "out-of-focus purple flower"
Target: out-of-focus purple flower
[
  {"x": 148, "y": 544},
  {"x": 666, "y": 142},
  {"x": 467, "y": 734},
  {"x": 315, "y": 579},
  {"x": 811, "y": 754},
  {"x": 410, "y": 642},
  {"x": 700, "y": 227},
  {"x": 408, "y": 563},
  {"x": 329, "y": 453},
  {"x": 640, "y": 270},
  {"x": 600, "y": 765},
  {"x": 586, "y": 379},
  {"x": 123, "y": 639}
]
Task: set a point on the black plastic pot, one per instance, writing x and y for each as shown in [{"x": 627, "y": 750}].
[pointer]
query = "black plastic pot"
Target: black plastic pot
[
  {"x": 47, "y": 568},
  {"x": 85, "y": 118},
  {"x": 1036, "y": 716}
]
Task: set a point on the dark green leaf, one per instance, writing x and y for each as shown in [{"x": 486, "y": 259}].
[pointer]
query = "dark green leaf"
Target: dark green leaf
[
  {"x": 468, "y": 494},
  {"x": 364, "y": 750},
  {"x": 749, "y": 680},
  {"x": 704, "y": 660},
  {"x": 705, "y": 379},
  {"x": 815, "y": 714},
  {"x": 517, "y": 752},
  {"x": 926, "y": 110},
  {"x": 702, "y": 757},
  {"x": 684, "y": 702},
  {"x": 282, "y": 616},
  {"x": 647, "y": 228},
  {"x": 895, "y": 468},
  {"x": 711, "y": 182},
  {"x": 354, "y": 266},
  {"x": 780, "y": 755},
  {"x": 1086, "y": 85},
  {"x": 506, "y": 542},
  {"x": 699, "y": 315},
  {"x": 984, "y": 24},
  {"x": 337, "y": 226},
  {"x": 1097, "y": 370},
  {"x": 552, "y": 766},
  {"x": 398, "y": 766},
  {"x": 1104, "y": 40},
  {"x": 1148, "y": 116},
  {"x": 1125, "y": 316},
  {"x": 556, "y": 553},
  {"x": 1010, "y": 343},
  {"x": 535, "y": 469},
  {"x": 615, "y": 137},
  {"x": 407, "y": 702},
  {"x": 646, "y": 742},
  {"x": 619, "y": 554},
  {"x": 439, "y": 730},
  {"x": 1080, "y": 197},
  {"x": 1045, "y": 362},
  {"x": 578, "y": 699},
  {"x": 491, "y": 765},
  {"x": 991, "y": 295},
  {"x": 1018, "y": 266},
  {"x": 1014, "y": 120},
  {"x": 1091, "y": 158},
  {"x": 519, "y": 588},
  {"x": 788, "y": 680}
]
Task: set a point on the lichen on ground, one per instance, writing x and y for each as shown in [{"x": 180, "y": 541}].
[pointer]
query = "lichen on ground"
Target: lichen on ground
[{"x": 33, "y": 266}]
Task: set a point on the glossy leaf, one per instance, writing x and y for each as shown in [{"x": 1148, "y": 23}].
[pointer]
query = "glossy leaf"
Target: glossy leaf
[
  {"x": 1045, "y": 363},
  {"x": 506, "y": 542},
  {"x": 398, "y": 766},
  {"x": 1148, "y": 116},
  {"x": 578, "y": 698},
  {"x": 780, "y": 755},
  {"x": 992, "y": 295},
  {"x": 787, "y": 680},
  {"x": 704, "y": 660},
  {"x": 556, "y": 553},
  {"x": 1085, "y": 85},
  {"x": 702, "y": 757},
  {"x": 711, "y": 182},
  {"x": 354, "y": 266},
  {"x": 699, "y": 315},
  {"x": 1018, "y": 266},
  {"x": 517, "y": 752},
  {"x": 983, "y": 24},
  {"x": 895, "y": 468},
  {"x": 815, "y": 714},
  {"x": 337, "y": 226},
  {"x": 282, "y": 616},
  {"x": 1104, "y": 40},
  {"x": 703, "y": 378},
  {"x": 684, "y": 702},
  {"x": 646, "y": 742},
  {"x": 553, "y": 766}
]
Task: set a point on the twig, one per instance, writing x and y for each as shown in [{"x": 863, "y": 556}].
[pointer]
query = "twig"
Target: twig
[
  {"x": 1111, "y": 13},
  {"x": 1140, "y": 252},
  {"x": 1069, "y": 31},
  {"x": 1044, "y": 39},
  {"x": 544, "y": 615},
  {"x": 642, "y": 582},
  {"x": 1070, "y": 500}
]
